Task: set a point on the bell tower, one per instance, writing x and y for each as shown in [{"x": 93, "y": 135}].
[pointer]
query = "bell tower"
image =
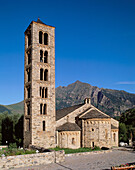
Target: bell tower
[{"x": 39, "y": 85}]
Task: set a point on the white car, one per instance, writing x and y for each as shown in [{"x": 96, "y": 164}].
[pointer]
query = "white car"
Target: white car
[{"x": 122, "y": 144}]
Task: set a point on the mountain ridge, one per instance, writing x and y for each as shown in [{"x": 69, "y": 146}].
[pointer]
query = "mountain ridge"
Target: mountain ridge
[{"x": 112, "y": 102}]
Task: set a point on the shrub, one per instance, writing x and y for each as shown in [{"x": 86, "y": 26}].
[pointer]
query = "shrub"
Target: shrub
[
  {"x": 12, "y": 146},
  {"x": 96, "y": 148}
]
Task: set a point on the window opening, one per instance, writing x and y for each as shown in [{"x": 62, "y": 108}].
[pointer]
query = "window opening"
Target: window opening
[
  {"x": 41, "y": 56},
  {"x": 45, "y": 39},
  {"x": 43, "y": 125},
  {"x": 46, "y": 75},
  {"x": 41, "y": 74},
  {"x": 46, "y": 92},
  {"x": 40, "y": 37},
  {"x": 41, "y": 105},
  {"x": 46, "y": 57}
]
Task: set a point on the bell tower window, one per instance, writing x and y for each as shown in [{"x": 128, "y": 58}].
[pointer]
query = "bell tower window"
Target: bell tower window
[
  {"x": 46, "y": 75},
  {"x": 46, "y": 57},
  {"x": 45, "y": 39},
  {"x": 41, "y": 56},
  {"x": 40, "y": 37},
  {"x": 41, "y": 74},
  {"x": 43, "y": 125}
]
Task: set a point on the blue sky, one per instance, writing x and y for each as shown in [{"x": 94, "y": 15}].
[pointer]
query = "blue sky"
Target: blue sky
[{"x": 95, "y": 43}]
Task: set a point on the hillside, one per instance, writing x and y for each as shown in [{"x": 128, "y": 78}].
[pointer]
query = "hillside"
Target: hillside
[
  {"x": 14, "y": 108},
  {"x": 112, "y": 102}
]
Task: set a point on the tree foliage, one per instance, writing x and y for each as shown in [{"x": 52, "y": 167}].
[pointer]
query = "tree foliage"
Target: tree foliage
[
  {"x": 127, "y": 125},
  {"x": 11, "y": 129}
]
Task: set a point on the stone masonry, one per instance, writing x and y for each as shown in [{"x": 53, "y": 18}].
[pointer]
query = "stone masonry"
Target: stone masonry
[
  {"x": 31, "y": 159},
  {"x": 39, "y": 85}
]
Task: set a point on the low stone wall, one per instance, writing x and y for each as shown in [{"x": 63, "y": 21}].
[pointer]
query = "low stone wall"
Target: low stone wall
[
  {"x": 31, "y": 159},
  {"x": 88, "y": 153}
]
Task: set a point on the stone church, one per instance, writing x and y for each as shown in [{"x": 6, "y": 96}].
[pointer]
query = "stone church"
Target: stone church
[{"x": 77, "y": 126}]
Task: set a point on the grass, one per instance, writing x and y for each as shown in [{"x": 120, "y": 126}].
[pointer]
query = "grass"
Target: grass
[
  {"x": 69, "y": 151},
  {"x": 14, "y": 151}
]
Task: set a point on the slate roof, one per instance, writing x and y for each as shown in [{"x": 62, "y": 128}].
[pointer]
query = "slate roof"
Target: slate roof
[
  {"x": 39, "y": 21},
  {"x": 68, "y": 127},
  {"x": 63, "y": 112},
  {"x": 94, "y": 114},
  {"x": 113, "y": 127}
]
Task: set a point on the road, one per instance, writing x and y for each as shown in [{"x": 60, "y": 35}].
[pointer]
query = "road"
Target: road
[{"x": 89, "y": 162}]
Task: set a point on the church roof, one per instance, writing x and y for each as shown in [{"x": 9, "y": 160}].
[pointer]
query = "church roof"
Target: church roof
[
  {"x": 39, "y": 21},
  {"x": 113, "y": 127},
  {"x": 68, "y": 127},
  {"x": 94, "y": 114},
  {"x": 65, "y": 111}
]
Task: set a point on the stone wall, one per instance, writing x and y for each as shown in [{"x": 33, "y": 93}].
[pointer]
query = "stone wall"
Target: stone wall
[
  {"x": 96, "y": 132},
  {"x": 69, "y": 139},
  {"x": 115, "y": 137},
  {"x": 31, "y": 159}
]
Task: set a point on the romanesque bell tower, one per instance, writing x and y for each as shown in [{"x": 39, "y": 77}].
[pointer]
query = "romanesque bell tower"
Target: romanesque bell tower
[{"x": 39, "y": 85}]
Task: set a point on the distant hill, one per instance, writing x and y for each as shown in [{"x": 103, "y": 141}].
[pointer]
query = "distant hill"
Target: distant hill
[
  {"x": 13, "y": 108},
  {"x": 112, "y": 102}
]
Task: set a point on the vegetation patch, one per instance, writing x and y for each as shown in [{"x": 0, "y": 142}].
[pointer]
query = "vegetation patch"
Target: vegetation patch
[
  {"x": 13, "y": 150},
  {"x": 69, "y": 151},
  {"x": 127, "y": 126}
]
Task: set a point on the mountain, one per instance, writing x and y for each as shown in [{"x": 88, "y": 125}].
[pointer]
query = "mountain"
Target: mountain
[
  {"x": 13, "y": 108},
  {"x": 112, "y": 102}
]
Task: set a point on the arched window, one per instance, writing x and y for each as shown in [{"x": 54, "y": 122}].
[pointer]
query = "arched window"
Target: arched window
[
  {"x": 43, "y": 125},
  {"x": 41, "y": 105},
  {"x": 41, "y": 56},
  {"x": 46, "y": 57},
  {"x": 28, "y": 109},
  {"x": 40, "y": 37},
  {"x": 114, "y": 137},
  {"x": 29, "y": 57},
  {"x": 73, "y": 141},
  {"x": 28, "y": 74},
  {"x": 46, "y": 92},
  {"x": 43, "y": 91},
  {"x": 41, "y": 74},
  {"x": 45, "y": 109},
  {"x": 46, "y": 75},
  {"x": 45, "y": 39},
  {"x": 28, "y": 92},
  {"x": 40, "y": 91}
]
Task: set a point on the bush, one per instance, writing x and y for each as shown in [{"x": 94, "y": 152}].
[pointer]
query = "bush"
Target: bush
[
  {"x": 96, "y": 148},
  {"x": 12, "y": 146}
]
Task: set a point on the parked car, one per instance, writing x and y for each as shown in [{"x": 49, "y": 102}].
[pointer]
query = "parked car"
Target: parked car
[{"x": 123, "y": 144}]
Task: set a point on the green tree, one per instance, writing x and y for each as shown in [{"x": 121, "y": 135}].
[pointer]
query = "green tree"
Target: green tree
[{"x": 123, "y": 133}]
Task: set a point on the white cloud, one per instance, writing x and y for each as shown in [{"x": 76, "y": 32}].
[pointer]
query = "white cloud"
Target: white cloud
[{"x": 126, "y": 82}]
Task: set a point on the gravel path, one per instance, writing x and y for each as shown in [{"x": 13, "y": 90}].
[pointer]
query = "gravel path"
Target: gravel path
[{"x": 88, "y": 162}]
